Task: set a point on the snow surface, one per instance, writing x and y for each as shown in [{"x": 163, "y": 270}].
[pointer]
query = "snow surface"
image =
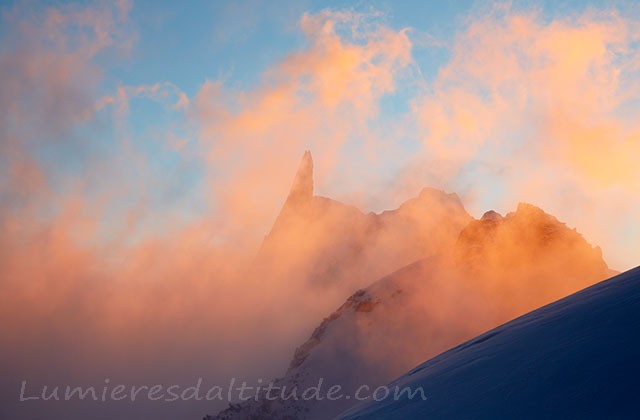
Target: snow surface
[{"x": 577, "y": 358}]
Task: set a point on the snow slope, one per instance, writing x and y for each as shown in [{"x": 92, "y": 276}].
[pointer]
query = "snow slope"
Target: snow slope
[{"x": 577, "y": 358}]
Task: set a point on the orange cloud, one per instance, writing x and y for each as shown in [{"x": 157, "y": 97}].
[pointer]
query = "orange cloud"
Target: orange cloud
[
  {"x": 350, "y": 62},
  {"x": 76, "y": 251},
  {"x": 546, "y": 102}
]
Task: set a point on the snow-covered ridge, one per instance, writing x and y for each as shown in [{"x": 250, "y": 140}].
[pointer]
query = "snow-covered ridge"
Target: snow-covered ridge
[
  {"x": 576, "y": 358},
  {"x": 361, "y": 301}
]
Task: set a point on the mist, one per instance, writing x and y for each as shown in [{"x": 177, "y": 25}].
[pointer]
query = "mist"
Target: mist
[{"x": 139, "y": 256}]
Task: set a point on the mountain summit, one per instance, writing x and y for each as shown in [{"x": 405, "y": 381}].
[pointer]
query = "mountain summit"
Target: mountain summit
[
  {"x": 452, "y": 277},
  {"x": 302, "y": 187},
  {"x": 320, "y": 243}
]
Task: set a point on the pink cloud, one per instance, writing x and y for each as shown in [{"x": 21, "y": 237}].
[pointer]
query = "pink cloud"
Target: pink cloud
[
  {"x": 349, "y": 63},
  {"x": 546, "y": 100}
]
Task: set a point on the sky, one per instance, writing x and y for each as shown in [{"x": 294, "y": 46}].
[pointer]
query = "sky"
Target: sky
[{"x": 154, "y": 116}]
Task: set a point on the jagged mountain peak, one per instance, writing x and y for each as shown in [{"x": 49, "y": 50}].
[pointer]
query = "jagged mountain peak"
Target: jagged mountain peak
[
  {"x": 459, "y": 276},
  {"x": 491, "y": 215},
  {"x": 302, "y": 187},
  {"x": 320, "y": 241},
  {"x": 519, "y": 236},
  {"x": 532, "y": 212},
  {"x": 443, "y": 278},
  {"x": 432, "y": 199},
  {"x": 440, "y": 195},
  {"x": 297, "y": 206}
]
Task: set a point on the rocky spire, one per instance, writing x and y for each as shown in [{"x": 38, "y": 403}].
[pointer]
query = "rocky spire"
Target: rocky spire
[
  {"x": 298, "y": 202},
  {"x": 302, "y": 188}
]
